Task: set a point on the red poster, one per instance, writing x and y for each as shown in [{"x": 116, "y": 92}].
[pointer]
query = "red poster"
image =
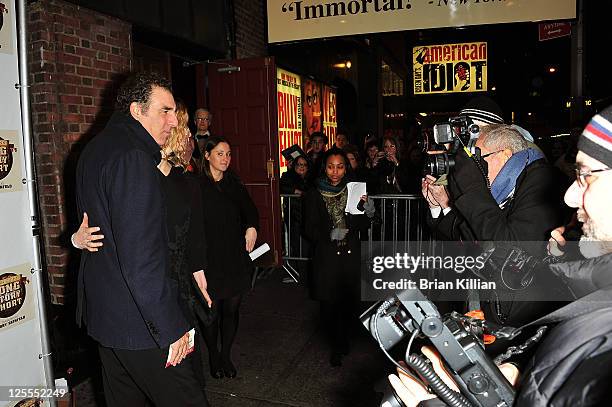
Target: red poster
[
  {"x": 311, "y": 95},
  {"x": 330, "y": 122}
]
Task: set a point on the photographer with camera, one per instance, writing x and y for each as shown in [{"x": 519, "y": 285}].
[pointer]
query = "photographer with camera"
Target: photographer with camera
[
  {"x": 503, "y": 193},
  {"x": 571, "y": 365}
]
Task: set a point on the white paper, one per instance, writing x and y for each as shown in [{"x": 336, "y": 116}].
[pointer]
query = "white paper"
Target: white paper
[
  {"x": 355, "y": 191},
  {"x": 259, "y": 251},
  {"x": 189, "y": 349}
]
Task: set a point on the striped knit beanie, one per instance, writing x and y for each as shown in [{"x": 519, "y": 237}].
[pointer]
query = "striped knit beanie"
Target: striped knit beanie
[
  {"x": 596, "y": 138},
  {"x": 483, "y": 108}
]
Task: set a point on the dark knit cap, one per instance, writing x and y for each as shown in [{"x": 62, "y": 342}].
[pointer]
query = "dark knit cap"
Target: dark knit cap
[
  {"x": 596, "y": 138},
  {"x": 485, "y": 109}
]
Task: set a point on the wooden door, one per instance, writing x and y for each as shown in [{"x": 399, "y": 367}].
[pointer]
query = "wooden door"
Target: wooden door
[{"x": 243, "y": 104}]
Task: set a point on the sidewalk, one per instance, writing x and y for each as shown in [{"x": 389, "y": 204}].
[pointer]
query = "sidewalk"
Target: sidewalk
[{"x": 283, "y": 360}]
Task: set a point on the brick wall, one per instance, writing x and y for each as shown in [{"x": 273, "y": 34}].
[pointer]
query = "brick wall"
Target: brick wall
[
  {"x": 250, "y": 26},
  {"x": 75, "y": 57}
]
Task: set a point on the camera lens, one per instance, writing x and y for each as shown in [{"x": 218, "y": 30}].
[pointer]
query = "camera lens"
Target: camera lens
[{"x": 438, "y": 164}]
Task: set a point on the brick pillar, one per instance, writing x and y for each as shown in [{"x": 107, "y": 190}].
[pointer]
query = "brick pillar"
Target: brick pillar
[
  {"x": 250, "y": 27},
  {"x": 75, "y": 57}
]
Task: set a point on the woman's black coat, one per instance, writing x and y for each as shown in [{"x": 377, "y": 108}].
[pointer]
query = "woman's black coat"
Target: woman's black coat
[
  {"x": 335, "y": 271},
  {"x": 228, "y": 212}
]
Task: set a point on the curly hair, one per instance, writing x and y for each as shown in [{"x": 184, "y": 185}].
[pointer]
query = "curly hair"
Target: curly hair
[
  {"x": 176, "y": 145},
  {"x": 137, "y": 88}
]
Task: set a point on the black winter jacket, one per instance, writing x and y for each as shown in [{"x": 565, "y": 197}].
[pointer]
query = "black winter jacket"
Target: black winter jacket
[
  {"x": 573, "y": 366},
  {"x": 529, "y": 216}
]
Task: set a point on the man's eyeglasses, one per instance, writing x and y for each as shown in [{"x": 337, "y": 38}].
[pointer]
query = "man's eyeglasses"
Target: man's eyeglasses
[
  {"x": 488, "y": 154},
  {"x": 199, "y": 119},
  {"x": 582, "y": 174},
  {"x": 301, "y": 165}
]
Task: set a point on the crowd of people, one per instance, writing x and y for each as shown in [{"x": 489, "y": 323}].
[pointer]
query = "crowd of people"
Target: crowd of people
[
  {"x": 167, "y": 228},
  {"x": 175, "y": 224}
]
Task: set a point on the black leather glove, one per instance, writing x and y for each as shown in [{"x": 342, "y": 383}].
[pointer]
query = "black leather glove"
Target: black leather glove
[{"x": 466, "y": 176}]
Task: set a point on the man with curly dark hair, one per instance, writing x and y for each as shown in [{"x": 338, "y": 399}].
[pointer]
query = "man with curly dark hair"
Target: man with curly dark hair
[{"x": 125, "y": 295}]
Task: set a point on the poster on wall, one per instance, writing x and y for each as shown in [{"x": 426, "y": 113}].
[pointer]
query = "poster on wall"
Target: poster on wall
[
  {"x": 16, "y": 296},
  {"x": 289, "y": 100},
  {"x": 311, "y": 95},
  {"x": 330, "y": 122},
  {"x": 450, "y": 68},
  {"x": 6, "y": 33},
  {"x": 10, "y": 161}
]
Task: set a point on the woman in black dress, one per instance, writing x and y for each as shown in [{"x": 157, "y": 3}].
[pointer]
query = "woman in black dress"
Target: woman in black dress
[
  {"x": 334, "y": 234},
  {"x": 231, "y": 221}
]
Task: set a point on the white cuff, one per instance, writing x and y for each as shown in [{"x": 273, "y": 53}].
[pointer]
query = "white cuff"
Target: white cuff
[
  {"x": 76, "y": 246},
  {"x": 436, "y": 210}
]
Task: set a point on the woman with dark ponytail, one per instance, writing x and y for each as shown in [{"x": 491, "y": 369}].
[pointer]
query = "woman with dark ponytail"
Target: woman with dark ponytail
[{"x": 231, "y": 221}]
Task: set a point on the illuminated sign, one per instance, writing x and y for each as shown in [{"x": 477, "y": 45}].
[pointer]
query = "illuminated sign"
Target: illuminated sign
[{"x": 450, "y": 68}]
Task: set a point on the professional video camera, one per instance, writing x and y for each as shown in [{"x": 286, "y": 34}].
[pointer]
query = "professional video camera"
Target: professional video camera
[
  {"x": 460, "y": 132},
  {"x": 455, "y": 337}
]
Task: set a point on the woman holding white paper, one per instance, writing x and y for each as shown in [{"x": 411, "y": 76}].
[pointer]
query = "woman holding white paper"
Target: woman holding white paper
[
  {"x": 336, "y": 257},
  {"x": 231, "y": 221}
]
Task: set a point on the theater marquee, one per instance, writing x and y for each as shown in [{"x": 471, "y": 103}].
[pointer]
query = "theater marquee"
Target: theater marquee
[
  {"x": 305, "y": 19},
  {"x": 450, "y": 68}
]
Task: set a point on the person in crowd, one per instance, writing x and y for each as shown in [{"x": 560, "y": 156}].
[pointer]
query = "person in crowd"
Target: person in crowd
[
  {"x": 519, "y": 206},
  {"x": 295, "y": 181},
  {"x": 352, "y": 153},
  {"x": 203, "y": 120},
  {"x": 186, "y": 239},
  {"x": 359, "y": 172},
  {"x": 570, "y": 365},
  {"x": 342, "y": 139},
  {"x": 371, "y": 154},
  {"x": 391, "y": 172},
  {"x": 231, "y": 222},
  {"x": 372, "y": 157},
  {"x": 318, "y": 143},
  {"x": 334, "y": 234},
  {"x": 131, "y": 307}
]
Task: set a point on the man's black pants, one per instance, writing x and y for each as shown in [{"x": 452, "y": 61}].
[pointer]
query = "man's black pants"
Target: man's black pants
[{"x": 138, "y": 377}]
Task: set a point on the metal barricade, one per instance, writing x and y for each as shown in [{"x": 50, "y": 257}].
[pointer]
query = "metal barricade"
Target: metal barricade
[
  {"x": 294, "y": 244},
  {"x": 400, "y": 220}
]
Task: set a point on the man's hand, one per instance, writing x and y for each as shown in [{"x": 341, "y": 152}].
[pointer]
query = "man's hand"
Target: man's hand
[
  {"x": 200, "y": 279},
  {"x": 556, "y": 242},
  {"x": 466, "y": 176},
  {"x": 412, "y": 392},
  {"x": 436, "y": 195},
  {"x": 178, "y": 350},
  {"x": 250, "y": 237},
  {"x": 84, "y": 238}
]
